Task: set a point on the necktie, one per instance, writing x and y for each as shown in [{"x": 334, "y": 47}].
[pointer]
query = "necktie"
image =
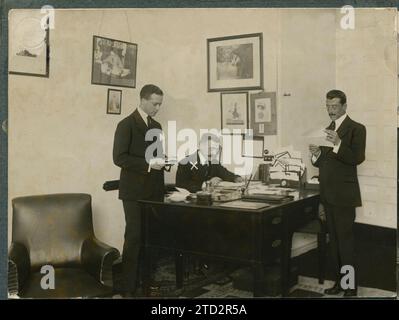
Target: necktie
[
  {"x": 149, "y": 119},
  {"x": 331, "y": 126}
]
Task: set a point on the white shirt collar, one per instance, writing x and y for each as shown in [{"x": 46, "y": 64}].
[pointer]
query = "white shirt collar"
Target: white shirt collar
[
  {"x": 339, "y": 121},
  {"x": 203, "y": 160},
  {"x": 143, "y": 115}
]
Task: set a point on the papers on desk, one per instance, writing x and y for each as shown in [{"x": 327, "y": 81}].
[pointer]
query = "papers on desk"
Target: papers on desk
[
  {"x": 317, "y": 137},
  {"x": 230, "y": 185},
  {"x": 244, "y": 205},
  {"x": 178, "y": 196}
]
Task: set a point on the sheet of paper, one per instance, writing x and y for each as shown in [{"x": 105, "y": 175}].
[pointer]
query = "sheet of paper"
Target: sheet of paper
[
  {"x": 317, "y": 137},
  {"x": 244, "y": 204}
]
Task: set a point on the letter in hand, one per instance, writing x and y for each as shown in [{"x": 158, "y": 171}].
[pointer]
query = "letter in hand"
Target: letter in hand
[
  {"x": 332, "y": 136},
  {"x": 214, "y": 181},
  {"x": 157, "y": 164},
  {"x": 314, "y": 150}
]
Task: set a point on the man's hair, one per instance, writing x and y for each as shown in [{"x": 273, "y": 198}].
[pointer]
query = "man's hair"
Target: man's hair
[
  {"x": 148, "y": 90},
  {"x": 337, "y": 94}
]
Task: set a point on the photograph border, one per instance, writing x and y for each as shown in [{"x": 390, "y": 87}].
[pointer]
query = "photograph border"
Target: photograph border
[
  {"x": 120, "y": 102},
  {"x": 249, "y": 35},
  {"x": 221, "y": 109},
  {"x": 108, "y": 84}
]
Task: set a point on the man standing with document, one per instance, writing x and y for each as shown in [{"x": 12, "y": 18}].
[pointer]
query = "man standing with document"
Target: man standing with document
[
  {"x": 140, "y": 178},
  {"x": 339, "y": 186}
]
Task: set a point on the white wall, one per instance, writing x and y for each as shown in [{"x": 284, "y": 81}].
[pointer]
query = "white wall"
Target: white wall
[
  {"x": 367, "y": 72},
  {"x": 60, "y": 138}
]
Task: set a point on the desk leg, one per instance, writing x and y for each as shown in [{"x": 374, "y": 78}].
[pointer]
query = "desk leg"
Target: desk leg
[
  {"x": 147, "y": 260},
  {"x": 258, "y": 272},
  {"x": 286, "y": 264},
  {"x": 179, "y": 265}
]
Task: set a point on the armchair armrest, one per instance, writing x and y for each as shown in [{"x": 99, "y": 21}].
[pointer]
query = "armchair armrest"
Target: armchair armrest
[
  {"x": 97, "y": 259},
  {"x": 18, "y": 267}
]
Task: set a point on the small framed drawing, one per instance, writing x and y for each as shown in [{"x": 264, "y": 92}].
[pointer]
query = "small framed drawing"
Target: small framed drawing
[
  {"x": 114, "y": 101},
  {"x": 234, "y": 112},
  {"x": 252, "y": 146},
  {"x": 235, "y": 63},
  {"x": 263, "y": 114},
  {"x": 114, "y": 62},
  {"x": 29, "y": 48}
]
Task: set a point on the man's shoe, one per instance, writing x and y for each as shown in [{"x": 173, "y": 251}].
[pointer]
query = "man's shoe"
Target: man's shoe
[
  {"x": 334, "y": 290},
  {"x": 350, "y": 293}
]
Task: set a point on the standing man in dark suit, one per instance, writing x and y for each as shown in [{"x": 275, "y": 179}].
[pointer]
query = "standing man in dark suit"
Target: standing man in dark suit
[
  {"x": 339, "y": 185},
  {"x": 140, "y": 178},
  {"x": 203, "y": 166}
]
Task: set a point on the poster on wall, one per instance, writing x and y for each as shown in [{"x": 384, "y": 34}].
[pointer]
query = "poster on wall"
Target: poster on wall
[
  {"x": 28, "y": 51},
  {"x": 235, "y": 63},
  {"x": 263, "y": 114},
  {"x": 234, "y": 111},
  {"x": 114, "y": 62}
]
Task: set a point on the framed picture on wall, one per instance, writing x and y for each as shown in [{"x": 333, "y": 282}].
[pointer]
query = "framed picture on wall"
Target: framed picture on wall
[
  {"x": 235, "y": 63},
  {"x": 114, "y": 62},
  {"x": 252, "y": 146},
  {"x": 263, "y": 114},
  {"x": 29, "y": 49},
  {"x": 114, "y": 101},
  {"x": 234, "y": 112}
]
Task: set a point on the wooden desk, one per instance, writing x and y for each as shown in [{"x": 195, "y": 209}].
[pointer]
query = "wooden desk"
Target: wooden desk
[{"x": 250, "y": 237}]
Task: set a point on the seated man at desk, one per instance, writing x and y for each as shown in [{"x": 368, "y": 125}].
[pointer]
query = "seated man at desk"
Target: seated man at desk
[{"x": 203, "y": 166}]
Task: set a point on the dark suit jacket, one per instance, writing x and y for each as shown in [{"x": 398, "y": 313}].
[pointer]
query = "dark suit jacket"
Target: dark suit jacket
[
  {"x": 339, "y": 184},
  {"x": 129, "y": 154},
  {"x": 191, "y": 178}
]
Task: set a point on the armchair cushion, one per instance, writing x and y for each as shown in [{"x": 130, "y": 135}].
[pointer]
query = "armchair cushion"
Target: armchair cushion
[{"x": 69, "y": 282}]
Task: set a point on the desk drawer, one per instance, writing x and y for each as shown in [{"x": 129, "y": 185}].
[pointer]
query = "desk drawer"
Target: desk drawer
[
  {"x": 272, "y": 224},
  {"x": 272, "y": 249}
]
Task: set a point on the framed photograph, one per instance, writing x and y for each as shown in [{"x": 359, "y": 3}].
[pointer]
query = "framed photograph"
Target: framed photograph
[
  {"x": 29, "y": 48},
  {"x": 114, "y": 62},
  {"x": 235, "y": 63},
  {"x": 234, "y": 111},
  {"x": 252, "y": 146},
  {"x": 114, "y": 101},
  {"x": 263, "y": 114}
]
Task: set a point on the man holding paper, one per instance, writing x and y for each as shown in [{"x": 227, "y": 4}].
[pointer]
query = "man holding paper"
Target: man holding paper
[
  {"x": 339, "y": 186},
  {"x": 140, "y": 178}
]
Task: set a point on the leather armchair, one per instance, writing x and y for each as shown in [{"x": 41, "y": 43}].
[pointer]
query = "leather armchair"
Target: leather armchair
[{"x": 57, "y": 230}]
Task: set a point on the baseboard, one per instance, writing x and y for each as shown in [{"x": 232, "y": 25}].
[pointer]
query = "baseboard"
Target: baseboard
[{"x": 375, "y": 234}]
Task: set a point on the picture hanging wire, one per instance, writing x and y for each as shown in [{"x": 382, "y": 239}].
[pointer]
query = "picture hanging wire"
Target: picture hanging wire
[{"x": 127, "y": 24}]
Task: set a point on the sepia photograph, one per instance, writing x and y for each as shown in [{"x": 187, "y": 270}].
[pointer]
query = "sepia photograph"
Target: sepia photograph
[
  {"x": 114, "y": 62},
  {"x": 235, "y": 62},
  {"x": 255, "y": 155},
  {"x": 114, "y": 101},
  {"x": 234, "y": 111},
  {"x": 29, "y": 50}
]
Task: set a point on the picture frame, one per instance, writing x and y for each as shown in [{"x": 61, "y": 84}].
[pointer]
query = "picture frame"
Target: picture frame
[
  {"x": 29, "y": 45},
  {"x": 234, "y": 112},
  {"x": 114, "y": 62},
  {"x": 235, "y": 62},
  {"x": 263, "y": 119},
  {"x": 258, "y": 146},
  {"x": 114, "y": 101}
]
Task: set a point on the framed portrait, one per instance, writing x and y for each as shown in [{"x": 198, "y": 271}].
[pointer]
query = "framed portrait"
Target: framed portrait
[
  {"x": 29, "y": 44},
  {"x": 235, "y": 63},
  {"x": 114, "y": 101},
  {"x": 252, "y": 146},
  {"x": 263, "y": 114},
  {"x": 234, "y": 112},
  {"x": 114, "y": 62}
]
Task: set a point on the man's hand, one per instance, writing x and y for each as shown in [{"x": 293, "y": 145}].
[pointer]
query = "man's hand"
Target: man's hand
[
  {"x": 214, "y": 181},
  {"x": 314, "y": 150},
  {"x": 157, "y": 163},
  {"x": 332, "y": 136},
  {"x": 238, "y": 179}
]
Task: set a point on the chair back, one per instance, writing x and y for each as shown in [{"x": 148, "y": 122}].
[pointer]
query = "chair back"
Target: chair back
[{"x": 52, "y": 227}]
